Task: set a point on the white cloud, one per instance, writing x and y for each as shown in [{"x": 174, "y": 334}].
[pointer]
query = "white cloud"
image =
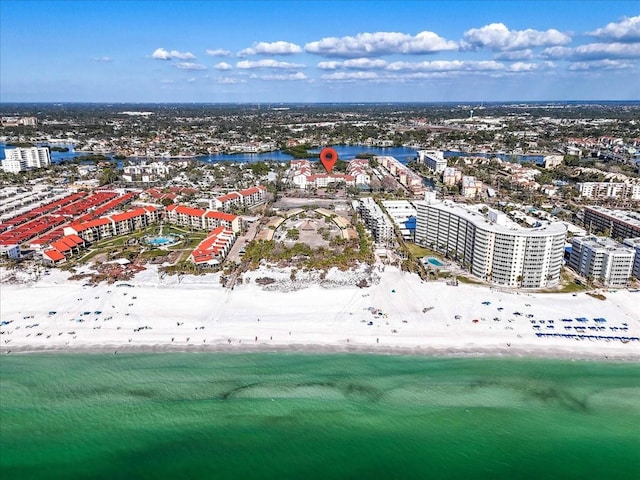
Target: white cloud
[
  {"x": 594, "y": 51},
  {"x": 162, "y": 54},
  {"x": 329, "y": 65},
  {"x": 557, "y": 52},
  {"x": 222, "y": 66},
  {"x": 526, "y": 54},
  {"x": 267, "y": 63},
  {"x": 354, "y": 64},
  {"x": 190, "y": 66},
  {"x": 627, "y": 30},
  {"x": 103, "y": 59},
  {"x": 291, "y": 76},
  {"x": 273, "y": 48},
  {"x": 364, "y": 64},
  {"x": 600, "y": 65},
  {"x": 523, "y": 67},
  {"x": 230, "y": 80},
  {"x": 447, "y": 66},
  {"x": 219, "y": 52},
  {"x": 350, "y": 76},
  {"x": 497, "y": 36},
  {"x": 191, "y": 80},
  {"x": 380, "y": 43}
]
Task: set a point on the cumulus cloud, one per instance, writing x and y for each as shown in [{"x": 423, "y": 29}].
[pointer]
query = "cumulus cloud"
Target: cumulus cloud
[
  {"x": 523, "y": 67},
  {"x": 498, "y": 37},
  {"x": 447, "y": 66},
  {"x": 350, "y": 76},
  {"x": 626, "y": 30},
  {"x": 222, "y": 66},
  {"x": 291, "y": 76},
  {"x": 594, "y": 51},
  {"x": 600, "y": 65},
  {"x": 526, "y": 54},
  {"x": 230, "y": 80},
  {"x": 162, "y": 54},
  {"x": 267, "y": 63},
  {"x": 219, "y": 52},
  {"x": 271, "y": 48},
  {"x": 354, "y": 64},
  {"x": 329, "y": 65},
  {"x": 380, "y": 43},
  {"x": 190, "y": 66}
]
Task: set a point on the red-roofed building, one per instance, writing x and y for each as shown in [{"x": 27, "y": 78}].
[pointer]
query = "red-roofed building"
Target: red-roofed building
[
  {"x": 114, "y": 225},
  {"x": 201, "y": 219},
  {"x": 247, "y": 197},
  {"x": 53, "y": 256},
  {"x": 228, "y": 201},
  {"x": 253, "y": 195},
  {"x": 214, "y": 249}
]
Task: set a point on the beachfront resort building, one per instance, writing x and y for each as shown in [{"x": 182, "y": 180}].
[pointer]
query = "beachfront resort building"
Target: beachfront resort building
[
  {"x": 114, "y": 225},
  {"x": 21, "y": 159},
  {"x": 602, "y": 259},
  {"x": 433, "y": 159},
  {"x": 11, "y": 252},
  {"x": 635, "y": 244},
  {"x": 491, "y": 246},
  {"x": 213, "y": 249},
  {"x": 376, "y": 220},
  {"x": 202, "y": 219},
  {"x": 620, "y": 223}
]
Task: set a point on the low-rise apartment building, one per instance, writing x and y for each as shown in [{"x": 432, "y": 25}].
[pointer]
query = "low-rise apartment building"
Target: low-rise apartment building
[
  {"x": 202, "y": 219},
  {"x": 602, "y": 259},
  {"x": 620, "y": 223},
  {"x": 608, "y": 190}
]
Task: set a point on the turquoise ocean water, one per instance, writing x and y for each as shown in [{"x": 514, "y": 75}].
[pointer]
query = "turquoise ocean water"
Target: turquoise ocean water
[{"x": 308, "y": 416}]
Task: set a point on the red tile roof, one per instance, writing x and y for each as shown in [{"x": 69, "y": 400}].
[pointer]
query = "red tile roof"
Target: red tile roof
[
  {"x": 53, "y": 255},
  {"x": 220, "y": 215}
]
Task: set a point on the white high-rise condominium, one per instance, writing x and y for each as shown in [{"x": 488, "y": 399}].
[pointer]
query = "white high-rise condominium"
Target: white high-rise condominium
[
  {"x": 491, "y": 247},
  {"x": 20, "y": 159}
]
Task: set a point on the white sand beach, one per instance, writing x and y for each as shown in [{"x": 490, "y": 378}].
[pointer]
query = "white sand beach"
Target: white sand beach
[{"x": 399, "y": 314}]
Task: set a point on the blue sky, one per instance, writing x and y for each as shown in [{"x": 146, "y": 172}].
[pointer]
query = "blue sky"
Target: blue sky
[{"x": 327, "y": 51}]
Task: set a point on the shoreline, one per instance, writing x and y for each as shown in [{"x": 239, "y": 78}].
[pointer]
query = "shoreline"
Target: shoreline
[
  {"x": 397, "y": 314},
  {"x": 309, "y": 349}
]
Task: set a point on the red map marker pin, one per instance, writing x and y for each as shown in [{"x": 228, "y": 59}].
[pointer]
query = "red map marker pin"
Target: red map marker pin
[{"x": 328, "y": 157}]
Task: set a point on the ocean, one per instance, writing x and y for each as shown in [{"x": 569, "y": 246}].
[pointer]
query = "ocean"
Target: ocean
[{"x": 313, "y": 416}]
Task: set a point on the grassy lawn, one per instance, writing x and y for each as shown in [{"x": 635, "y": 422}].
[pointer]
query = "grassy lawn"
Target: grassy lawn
[
  {"x": 567, "y": 285},
  {"x": 570, "y": 287},
  {"x": 156, "y": 252},
  {"x": 419, "y": 252},
  {"x": 470, "y": 281}
]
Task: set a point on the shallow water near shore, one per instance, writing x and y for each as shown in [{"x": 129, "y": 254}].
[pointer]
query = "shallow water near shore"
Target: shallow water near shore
[{"x": 294, "y": 415}]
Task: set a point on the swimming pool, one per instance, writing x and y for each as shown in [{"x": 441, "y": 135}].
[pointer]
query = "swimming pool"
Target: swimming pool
[
  {"x": 435, "y": 261},
  {"x": 161, "y": 240}
]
